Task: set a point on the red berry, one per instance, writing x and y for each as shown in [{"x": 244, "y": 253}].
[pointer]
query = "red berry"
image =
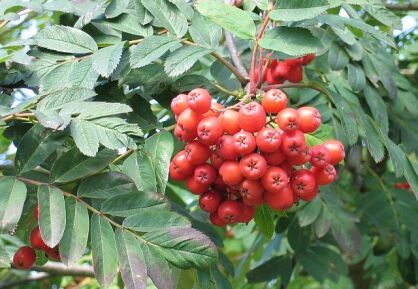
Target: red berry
[
  {"x": 274, "y": 179},
  {"x": 252, "y": 117},
  {"x": 181, "y": 164},
  {"x": 282, "y": 70},
  {"x": 281, "y": 200},
  {"x": 293, "y": 143},
  {"x": 214, "y": 110},
  {"x": 230, "y": 122},
  {"x": 288, "y": 119},
  {"x": 320, "y": 156},
  {"x": 247, "y": 214},
  {"x": 216, "y": 220},
  {"x": 219, "y": 184},
  {"x": 244, "y": 142},
  {"x": 253, "y": 166},
  {"x": 36, "y": 240},
  {"x": 230, "y": 172},
  {"x": 274, "y": 100},
  {"x": 197, "y": 153},
  {"x": 230, "y": 211},
  {"x": 36, "y": 211},
  {"x": 199, "y": 100},
  {"x": 54, "y": 253},
  {"x": 209, "y": 201},
  {"x": 270, "y": 79},
  {"x": 179, "y": 104},
  {"x": 253, "y": 203},
  {"x": 216, "y": 160},
  {"x": 251, "y": 190},
  {"x": 274, "y": 158},
  {"x": 226, "y": 148},
  {"x": 308, "y": 58},
  {"x": 188, "y": 120},
  {"x": 287, "y": 168},
  {"x": 24, "y": 258},
  {"x": 336, "y": 150},
  {"x": 302, "y": 158},
  {"x": 303, "y": 184},
  {"x": 293, "y": 62},
  {"x": 268, "y": 140},
  {"x": 205, "y": 174},
  {"x": 195, "y": 187},
  {"x": 209, "y": 130},
  {"x": 175, "y": 175},
  {"x": 324, "y": 176},
  {"x": 184, "y": 136},
  {"x": 295, "y": 74},
  {"x": 309, "y": 119}
]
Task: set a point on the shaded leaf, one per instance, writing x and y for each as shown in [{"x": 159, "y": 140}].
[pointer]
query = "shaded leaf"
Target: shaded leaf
[
  {"x": 36, "y": 146},
  {"x": 297, "y": 14},
  {"x": 184, "y": 247},
  {"x": 159, "y": 148},
  {"x": 150, "y": 220},
  {"x": 76, "y": 233},
  {"x": 129, "y": 204},
  {"x": 140, "y": 168},
  {"x": 271, "y": 269},
  {"x": 103, "y": 246},
  {"x": 72, "y": 165},
  {"x": 204, "y": 32},
  {"x": 158, "y": 268},
  {"x": 264, "y": 220},
  {"x": 131, "y": 261},
  {"x": 105, "y": 186}
]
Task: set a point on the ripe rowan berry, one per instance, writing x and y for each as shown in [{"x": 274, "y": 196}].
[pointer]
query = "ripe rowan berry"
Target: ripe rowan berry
[
  {"x": 253, "y": 166},
  {"x": 209, "y": 130},
  {"x": 274, "y": 179},
  {"x": 230, "y": 172},
  {"x": 244, "y": 142},
  {"x": 303, "y": 184},
  {"x": 199, "y": 100},
  {"x": 24, "y": 258},
  {"x": 336, "y": 150},
  {"x": 288, "y": 119},
  {"x": 209, "y": 201},
  {"x": 309, "y": 119},
  {"x": 36, "y": 240},
  {"x": 274, "y": 101},
  {"x": 268, "y": 140},
  {"x": 230, "y": 211},
  {"x": 252, "y": 117}
]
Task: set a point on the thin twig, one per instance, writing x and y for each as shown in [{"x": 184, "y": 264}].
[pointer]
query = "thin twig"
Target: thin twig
[
  {"x": 123, "y": 156},
  {"x": 225, "y": 90},
  {"x": 232, "y": 48},
  {"x": 20, "y": 283},
  {"x": 402, "y": 7}
]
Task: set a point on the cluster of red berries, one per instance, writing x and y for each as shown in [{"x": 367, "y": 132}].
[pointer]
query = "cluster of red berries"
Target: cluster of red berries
[
  {"x": 290, "y": 69},
  {"x": 402, "y": 186},
  {"x": 252, "y": 160},
  {"x": 25, "y": 256}
]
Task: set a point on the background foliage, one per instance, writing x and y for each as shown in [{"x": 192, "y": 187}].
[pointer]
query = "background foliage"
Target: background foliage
[{"x": 85, "y": 93}]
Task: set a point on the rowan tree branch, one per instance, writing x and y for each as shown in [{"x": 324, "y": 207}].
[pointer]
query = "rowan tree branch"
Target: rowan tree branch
[
  {"x": 59, "y": 269},
  {"x": 402, "y": 7},
  {"x": 232, "y": 48},
  {"x": 21, "y": 282}
]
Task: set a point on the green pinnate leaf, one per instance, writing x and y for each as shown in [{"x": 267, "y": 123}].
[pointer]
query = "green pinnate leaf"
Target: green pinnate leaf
[
  {"x": 294, "y": 41},
  {"x": 168, "y": 15},
  {"x": 150, "y": 49},
  {"x": 12, "y": 199},
  {"x": 36, "y": 146},
  {"x": 106, "y": 185},
  {"x": 148, "y": 220},
  {"x": 228, "y": 17},
  {"x": 52, "y": 216},
  {"x": 159, "y": 148},
  {"x": 73, "y": 165},
  {"x": 140, "y": 168},
  {"x": 131, "y": 260},
  {"x": 74, "y": 241},
  {"x": 65, "y": 39},
  {"x": 103, "y": 246},
  {"x": 107, "y": 59},
  {"x": 183, "y": 59},
  {"x": 57, "y": 99},
  {"x": 264, "y": 220}
]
